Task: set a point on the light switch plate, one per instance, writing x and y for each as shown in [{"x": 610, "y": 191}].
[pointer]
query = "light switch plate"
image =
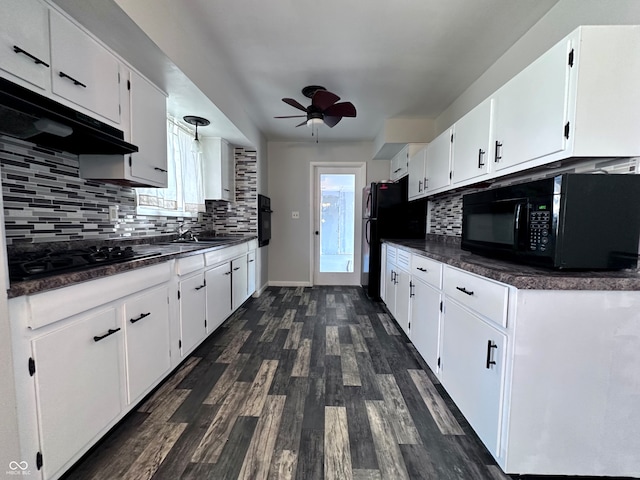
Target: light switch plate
[
  {"x": 295, "y": 214},
  {"x": 113, "y": 213}
]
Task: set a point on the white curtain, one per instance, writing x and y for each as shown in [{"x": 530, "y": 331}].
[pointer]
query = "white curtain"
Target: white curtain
[{"x": 185, "y": 191}]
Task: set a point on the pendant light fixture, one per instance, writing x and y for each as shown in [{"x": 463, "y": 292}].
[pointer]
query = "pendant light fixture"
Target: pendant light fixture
[{"x": 198, "y": 122}]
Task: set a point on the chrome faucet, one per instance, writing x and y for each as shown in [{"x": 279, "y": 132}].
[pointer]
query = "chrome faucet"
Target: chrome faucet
[{"x": 185, "y": 233}]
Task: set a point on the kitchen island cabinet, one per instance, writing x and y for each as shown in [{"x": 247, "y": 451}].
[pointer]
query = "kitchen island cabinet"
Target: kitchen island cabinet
[{"x": 544, "y": 369}]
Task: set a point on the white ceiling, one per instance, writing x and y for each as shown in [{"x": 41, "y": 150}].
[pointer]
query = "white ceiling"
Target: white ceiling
[{"x": 390, "y": 58}]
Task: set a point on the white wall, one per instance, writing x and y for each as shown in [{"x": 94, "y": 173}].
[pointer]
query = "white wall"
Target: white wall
[
  {"x": 289, "y": 188},
  {"x": 555, "y": 25}
]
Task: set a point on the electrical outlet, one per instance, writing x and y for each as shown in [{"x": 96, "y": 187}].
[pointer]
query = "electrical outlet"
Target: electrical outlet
[
  {"x": 295, "y": 214},
  {"x": 113, "y": 213}
]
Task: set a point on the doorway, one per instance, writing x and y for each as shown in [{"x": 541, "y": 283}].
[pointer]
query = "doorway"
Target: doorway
[{"x": 337, "y": 222}]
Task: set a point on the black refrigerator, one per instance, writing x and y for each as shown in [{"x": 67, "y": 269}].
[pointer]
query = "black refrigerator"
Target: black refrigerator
[{"x": 386, "y": 214}]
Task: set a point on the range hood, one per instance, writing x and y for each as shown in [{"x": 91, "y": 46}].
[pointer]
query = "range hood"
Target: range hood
[{"x": 32, "y": 117}]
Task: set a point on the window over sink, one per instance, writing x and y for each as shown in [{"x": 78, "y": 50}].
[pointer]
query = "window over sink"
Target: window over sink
[{"x": 184, "y": 195}]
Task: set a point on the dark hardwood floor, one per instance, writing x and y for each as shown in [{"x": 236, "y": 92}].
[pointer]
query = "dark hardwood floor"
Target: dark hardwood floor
[{"x": 304, "y": 383}]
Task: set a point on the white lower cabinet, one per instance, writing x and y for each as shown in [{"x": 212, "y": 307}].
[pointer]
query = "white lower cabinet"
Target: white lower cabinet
[
  {"x": 251, "y": 273},
  {"x": 193, "y": 321},
  {"x": 403, "y": 290},
  {"x": 472, "y": 370},
  {"x": 218, "y": 281},
  {"x": 146, "y": 329},
  {"x": 77, "y": 384},
  {"x": 239, "y": 281},
  {"x": 425, "y": 321}
]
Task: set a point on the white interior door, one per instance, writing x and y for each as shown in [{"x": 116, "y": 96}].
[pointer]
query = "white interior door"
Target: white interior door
[{"x": 337, "y": 214}]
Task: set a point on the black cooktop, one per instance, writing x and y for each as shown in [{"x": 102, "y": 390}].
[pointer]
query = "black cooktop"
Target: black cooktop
[{"x": 45, "y": 263}]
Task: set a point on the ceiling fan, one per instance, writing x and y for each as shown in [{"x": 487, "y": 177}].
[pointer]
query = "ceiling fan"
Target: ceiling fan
[{"x": 323, "y": 108}]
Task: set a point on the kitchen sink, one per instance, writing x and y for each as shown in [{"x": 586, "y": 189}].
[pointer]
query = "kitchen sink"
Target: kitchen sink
[{"x": 205, "y": 241}]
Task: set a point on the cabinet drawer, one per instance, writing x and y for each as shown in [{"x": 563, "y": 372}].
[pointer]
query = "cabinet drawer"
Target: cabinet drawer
[
  {"x": 427, "y": 270},
  {"x": 391, "y": 254},
  {"x": 403, "y": 260},
  {"x": 486, "y": 297}
]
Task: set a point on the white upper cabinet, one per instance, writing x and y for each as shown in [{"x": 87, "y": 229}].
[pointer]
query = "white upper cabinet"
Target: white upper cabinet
[
  {"x": 148, "y": 132},
  {"x": 145, "y": 122},
  {"x": 219, "y": 169},
  {"x": 417, "y": 177},
  {"x": 83, "y": 71},
  {"x": 438, "y": 167},
  {"x": 531, "y": 110},
  {"x": 472, "y": 146},
  {"x": 400, "y": 164},
  {"x": 24, "y": 42}
]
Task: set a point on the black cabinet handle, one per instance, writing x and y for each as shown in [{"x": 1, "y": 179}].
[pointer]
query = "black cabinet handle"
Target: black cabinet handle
[
  {"x": 237, "y": 268},
  {"x": 490, "y": 346},
  {"x": 75, "y": 82},
  {"x": 411, "y": 287},
  {"x": 419, "y": 185},
  {"x": 464, "y": 290},
  {"x": 109, "y": 332},
  {"x": 159, "y": 169},
  {"x": 142, "y": 315},
  {"x": 251, "y": 261},
  {"x": 498, "y": 154},
  {"x": 481, "y": 153},
  {"x": 37, "y": 61},
  {"x": 227, "y": 273},
  {"x": 201, "y": 286},
  {"x": 421, "y": 269}
]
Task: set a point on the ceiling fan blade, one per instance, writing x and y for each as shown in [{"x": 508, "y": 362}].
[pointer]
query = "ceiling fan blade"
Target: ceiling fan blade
[
  {"x": 323, "y": 99},
  {"x": 294, "y": 103},
  {"x": 291, "y": 116},
  {"x": 331, "y": 121},
  {"x": 344, "y": 109},
  {"x": 301, "y": 124}
]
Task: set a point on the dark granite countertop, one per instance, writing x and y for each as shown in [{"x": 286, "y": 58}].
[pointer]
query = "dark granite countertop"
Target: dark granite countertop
[
  {"x": 521, "y": 276},
  {"x": 166, "y": 251}
]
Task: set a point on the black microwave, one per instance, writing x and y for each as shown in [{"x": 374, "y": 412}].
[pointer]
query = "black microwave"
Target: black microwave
[{"x": 570, "y": 221}]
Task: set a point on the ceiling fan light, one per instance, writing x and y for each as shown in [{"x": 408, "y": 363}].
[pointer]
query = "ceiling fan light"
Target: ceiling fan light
[{"x": 314, "y": 122}]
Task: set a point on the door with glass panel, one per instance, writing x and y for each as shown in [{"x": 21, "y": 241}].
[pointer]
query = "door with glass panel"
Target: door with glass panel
[{"x": 337, "y": 224}]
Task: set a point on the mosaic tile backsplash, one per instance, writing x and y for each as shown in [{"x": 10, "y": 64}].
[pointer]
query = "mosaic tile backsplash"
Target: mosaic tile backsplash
[
  {"x": 45, "y": 200},
  {"x": 445, "y": 211}
]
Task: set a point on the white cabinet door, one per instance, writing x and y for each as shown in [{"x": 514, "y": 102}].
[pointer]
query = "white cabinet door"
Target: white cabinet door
[
  {"x": 531, "y": 110},
  {"x": 472, "y": 370},
  {"x": 219, "y": 169},
  {"x": 218, "y": 295},
  {"x": 147, "y": 340},
  {"x": 438, "y": 163},
  {"x": 148, "y": 132},
  {"x": 383, "y": 273},
  {"x": 77, "y": 379},
  {"x": 390, "y": 286},
  {"x": 251, "y": 273},
  {"x": 24, "y": 42},
  {"x": 403, "y": 290},
  {"x": 425, "y": 321},
  {"x": 472, "y": 149},
  {"x": 417, "y": 177},
  {"x": 400, "y": 164},
  {"x": 84, "y": 72},
  {"x": 192, "y": 311},
  {"x": 239, "y": 281}
]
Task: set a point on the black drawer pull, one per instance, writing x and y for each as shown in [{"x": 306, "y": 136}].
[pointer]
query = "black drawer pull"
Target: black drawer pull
[
  {"x": 110, "y": 332},
  {"x": 159, "y": 169},
  {"x": 142, "y": 315},
  {"x": 251, "y": 261},
  {"x": 75, "y": 82},
  {"x": 227, "y": 273},
  {"x": 37, "y": 61},
  {"x": 201, "y": 286},
  {"x": 464, "y": 290},
  {"x": 490, "y": 346},
  {"x": 421, "y": 269},
  {"x": 237, "y": 268}
]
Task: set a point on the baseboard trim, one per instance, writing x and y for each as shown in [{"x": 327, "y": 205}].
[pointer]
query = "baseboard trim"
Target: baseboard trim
[
  {"x": 278, "y": 283},
  {"x": 260, "y": 291}
]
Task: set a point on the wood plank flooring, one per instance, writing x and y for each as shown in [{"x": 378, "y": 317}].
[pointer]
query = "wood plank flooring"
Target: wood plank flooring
[{"x": 301, "y": 383}]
